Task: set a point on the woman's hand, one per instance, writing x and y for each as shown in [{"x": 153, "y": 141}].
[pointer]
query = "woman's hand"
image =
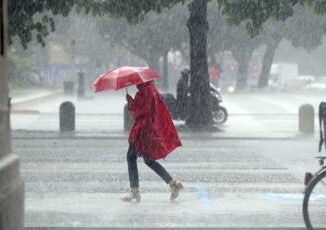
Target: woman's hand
[{"x": 129, "y": 98}]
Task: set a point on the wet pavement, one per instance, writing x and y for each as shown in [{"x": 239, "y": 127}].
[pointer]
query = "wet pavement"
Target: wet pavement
[
  {"x": 228, "y": 183},
  {"x": 249, "y": 174},
  {"x": 250, "y": 114}
]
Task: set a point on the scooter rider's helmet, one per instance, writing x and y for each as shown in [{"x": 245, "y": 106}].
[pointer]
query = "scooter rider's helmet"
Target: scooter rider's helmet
[{"x": 185, "y": 72}]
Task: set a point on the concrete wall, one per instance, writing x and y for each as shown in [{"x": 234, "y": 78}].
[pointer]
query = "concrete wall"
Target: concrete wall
[{"x": 11, "y": 183}]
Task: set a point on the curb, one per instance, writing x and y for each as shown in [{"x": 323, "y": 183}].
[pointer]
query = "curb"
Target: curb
[
  {"x": 36, "y": 98},
  {"x": 24, "y": 111},
  {"x": 22, "y": 102},
  {"x": 22, "y": 134}
]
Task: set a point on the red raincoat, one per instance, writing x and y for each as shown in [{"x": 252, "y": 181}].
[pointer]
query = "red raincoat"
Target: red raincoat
[{"x": 153, "y": 133}]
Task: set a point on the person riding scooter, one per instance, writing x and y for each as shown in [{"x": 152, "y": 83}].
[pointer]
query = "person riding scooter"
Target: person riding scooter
[
  {"x": 179, "y": 106},
  {"x": 182, "y": 94}
]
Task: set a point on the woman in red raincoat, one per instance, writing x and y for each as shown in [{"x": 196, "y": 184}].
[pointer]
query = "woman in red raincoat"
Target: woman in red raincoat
[{"x": 153, "y": 136}]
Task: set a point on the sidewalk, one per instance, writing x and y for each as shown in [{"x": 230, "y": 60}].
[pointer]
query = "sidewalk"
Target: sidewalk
[
  {"x": 251, "y": 116},
  {"x": 22, "y": 95}
]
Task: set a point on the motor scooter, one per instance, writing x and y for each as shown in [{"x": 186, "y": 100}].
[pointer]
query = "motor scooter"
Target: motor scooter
[{"x": 220, "y": 114}]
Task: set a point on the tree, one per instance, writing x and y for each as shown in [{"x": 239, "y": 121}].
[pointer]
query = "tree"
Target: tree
[
  {"x": 150, "y": 39},
  {"x": 22, "y": 22},
  {"x": 303, "y": 29},
  {"x": 253, "y": 13},
  {"x": 242, "y": 47},
  {"x": 223, "y": 36},
  {"x": 200, "y": 114},
  {"x": 19, "y": 66},
  {"x": 81, "y": 45},
  {"x": 273, "y": 34}
]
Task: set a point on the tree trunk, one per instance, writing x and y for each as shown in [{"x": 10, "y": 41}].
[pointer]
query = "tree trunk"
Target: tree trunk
[
  {"x": 185, "y": 56},
  {"x": 200, "y": 111},
  {"x": 243, "y": 59},
  {"x": 165, "y": 71},
  {"x": 153, "y": 63},
  {"x": 267, "y": 63},
  {"x": 11, "y": 186},
  {"x": 242, "y": 79}
]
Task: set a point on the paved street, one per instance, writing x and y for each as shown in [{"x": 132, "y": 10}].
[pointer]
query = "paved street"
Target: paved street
[
  {"x": 248, "y": 175},
  {"x": 228, "y": 183}
]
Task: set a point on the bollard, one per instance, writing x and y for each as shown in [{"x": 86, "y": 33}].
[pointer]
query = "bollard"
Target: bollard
[
  {"x": 127, "y": 119},
  {"x": 68, "y": 87},
  {"x": 306, "y": 119},
  {"x": 81, "y": 85},
  {"x": 67, "y": 116}
]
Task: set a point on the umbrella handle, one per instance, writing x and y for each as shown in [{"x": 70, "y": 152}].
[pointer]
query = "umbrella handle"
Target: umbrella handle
[{"x": 127, "y": 90}]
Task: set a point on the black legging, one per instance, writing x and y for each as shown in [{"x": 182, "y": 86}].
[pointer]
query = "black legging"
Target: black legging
[{"x": 133, "y": 170}]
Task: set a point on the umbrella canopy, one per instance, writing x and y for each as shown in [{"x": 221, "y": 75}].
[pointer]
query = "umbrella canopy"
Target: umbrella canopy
[{"x": 124, "y": 76}]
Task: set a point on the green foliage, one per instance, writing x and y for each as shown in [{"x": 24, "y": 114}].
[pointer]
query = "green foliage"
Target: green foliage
[
  {"x": 22, "y": 22},
  {"x": 134, "y": 11},
  {"x": 256, "y": 12},
  {"x": 319, "y": 6},
  {"x": 252, "y": 12},
  {"x": 150, "y": 38},
  {"x": 305, "y": 28},
  {"x": 20, "y": 65}
]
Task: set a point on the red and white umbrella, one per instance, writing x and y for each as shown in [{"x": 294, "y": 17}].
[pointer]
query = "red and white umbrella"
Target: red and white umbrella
[{"x": 123, "y": 77}]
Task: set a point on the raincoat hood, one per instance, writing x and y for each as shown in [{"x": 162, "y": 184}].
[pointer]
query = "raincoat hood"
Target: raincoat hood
[{"x": 144, "y": 85}]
